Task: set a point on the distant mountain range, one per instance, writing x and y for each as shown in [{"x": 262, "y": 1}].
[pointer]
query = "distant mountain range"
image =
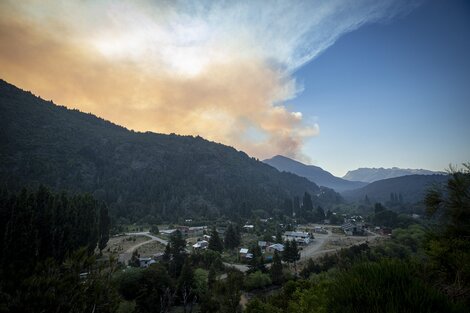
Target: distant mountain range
[
  {"x": 412, "y": 188},
  {"x": 370, "y": 175},
  {"x": 146, "y": 176},
  {"x": 313, "y": 173}
]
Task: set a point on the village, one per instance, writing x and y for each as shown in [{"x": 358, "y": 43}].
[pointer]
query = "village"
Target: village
[{"x": 312, "y": 240}]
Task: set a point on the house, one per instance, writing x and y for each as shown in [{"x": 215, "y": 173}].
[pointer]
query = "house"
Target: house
[
  {"x": 167, "y": 231},
  {"x": 262, "y": 244},
  {"x": 275, "y": 247},
  {"x": 244, "y": 254},
  {"x": 146, "y": 262},
  {"x": 249, "y": 227},
  {"x": 352, "y": 227},
  {"x": 299, "y": 237},
  {"x": 201, "y": 245},
  {"x": 206, "y": 237},
  {"x": 158, "y": 256},
  {"x": 191, "y": 231},
  {"x": 196, "y": 231},
  {"x": 320, "y": 230}
]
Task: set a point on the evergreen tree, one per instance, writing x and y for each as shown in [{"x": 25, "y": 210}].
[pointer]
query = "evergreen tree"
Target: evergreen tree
[
  {"x": 320, "y": 215},
  {"x": 215, "y": 244},
  {"x": 103, "y": 227},
  {"x": 186, "y": 286},
  {"x": 177, "y": 249},
  {"x": 296, "y": 207},
  {"x": 276, "y": 269},
  {"x": 212, "y": 276},
  {"x": 278, "y": 237},
  {"x": 294, "y": 254},
  {"x": 286, "y": 252},
  {"x": 231, "y": 239}
]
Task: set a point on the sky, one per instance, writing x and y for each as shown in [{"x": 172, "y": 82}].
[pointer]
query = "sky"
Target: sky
[{"x": 339, "y": 84}]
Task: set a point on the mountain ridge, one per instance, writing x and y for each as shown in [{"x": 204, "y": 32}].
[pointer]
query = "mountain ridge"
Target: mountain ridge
[
  {"x": 313, "y": 173},
  {"x": 412, "y": 188},
  {"x": 372, "y": 174},
  {"x": 140, "y": 175}
]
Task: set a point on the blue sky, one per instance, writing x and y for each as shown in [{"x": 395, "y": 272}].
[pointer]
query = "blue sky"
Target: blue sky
[{"x": 393, "y": 94}]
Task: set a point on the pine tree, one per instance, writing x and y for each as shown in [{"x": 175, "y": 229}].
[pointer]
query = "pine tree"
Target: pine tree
[
  {"x": 185, "y": 286},
  {"x": 212, "y": 276},
  {"x": 230, "y": 239},
  {"x": 287, "y": 250},
  {"x": 294, "y": 254},
  {"x": 215, "y": 244},
  {"x": 276, "y": 269},
  {"x": 278, "y": 237},
  {"x": 103, "y": 227}
]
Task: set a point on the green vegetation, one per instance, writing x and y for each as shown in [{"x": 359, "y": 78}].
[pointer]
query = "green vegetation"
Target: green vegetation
[{"x": 420, "y": 269}]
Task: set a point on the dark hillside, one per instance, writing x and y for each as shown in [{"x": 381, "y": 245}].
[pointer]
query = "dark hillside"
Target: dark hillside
[{"x": 137, "y": 174}]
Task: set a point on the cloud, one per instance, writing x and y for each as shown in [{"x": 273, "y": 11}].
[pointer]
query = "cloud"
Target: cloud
[{"x": 222, "y": 70}]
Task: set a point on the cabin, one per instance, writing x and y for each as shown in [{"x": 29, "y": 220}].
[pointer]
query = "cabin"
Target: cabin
[{"x": 275, "y": 247}]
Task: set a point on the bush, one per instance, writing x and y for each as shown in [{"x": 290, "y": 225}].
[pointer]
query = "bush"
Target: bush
[
  {"x": 257, "y": 280},
  {"x": 387, "y": 286}
]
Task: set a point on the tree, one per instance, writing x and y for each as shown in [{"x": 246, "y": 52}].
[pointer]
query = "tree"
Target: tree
[
  {"x": 286, "y": 252},
  {"x": 157, "y": 290},
  {"x": 278, "y": 237},
  {"x": 177, "y": 253},
  {"x": 257, "y": 280},
  {"x": 294, "y": 254},
  {"x": 449, "y": 243},
  {"x": 276, "y": 269},
  {"x": 215, "y": 244},
  {"x": 134, "y": 261},
  {"x": 320, "y": 215},
  {"x": 231, "y": 240},
  {"x": 103, "y": 227},
  {"x": 154, "y": 230},
  {"x": 186, "y": 286}
]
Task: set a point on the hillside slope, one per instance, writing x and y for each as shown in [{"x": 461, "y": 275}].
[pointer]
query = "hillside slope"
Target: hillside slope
[
  {"x": 313, "y": 173},
  {"x": 370, "y": 175},
  {"x": 412, "y": 188},
  {"x": 138, "y": 174}
]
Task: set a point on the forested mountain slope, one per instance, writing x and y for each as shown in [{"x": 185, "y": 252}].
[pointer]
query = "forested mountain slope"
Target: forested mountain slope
[
  {"x": 138, "y": 174},
  {"x": 411, "y": 188}
]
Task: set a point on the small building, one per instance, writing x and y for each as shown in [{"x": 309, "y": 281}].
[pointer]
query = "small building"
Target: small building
[
  {"x": 320, "y": 230},
  {"x": 275, "y": 247},
  {"x": 158, "y": 256},
  {"x": 351, "y": 228},
  {"x": 249, "y": 227},
  {"x": 262, "y": 244},
  {"x": 146, "y": 262},
  {"x": 201, "y": 245},
  {"x": 167, "y": 231},
  {"x": 299, "y": 237},
  {"x": 244, "y": 254}
]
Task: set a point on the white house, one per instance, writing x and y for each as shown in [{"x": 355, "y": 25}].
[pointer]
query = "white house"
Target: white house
[
  {"x": 298, "y": 236},
  {"x": 200, "y": 245}
]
